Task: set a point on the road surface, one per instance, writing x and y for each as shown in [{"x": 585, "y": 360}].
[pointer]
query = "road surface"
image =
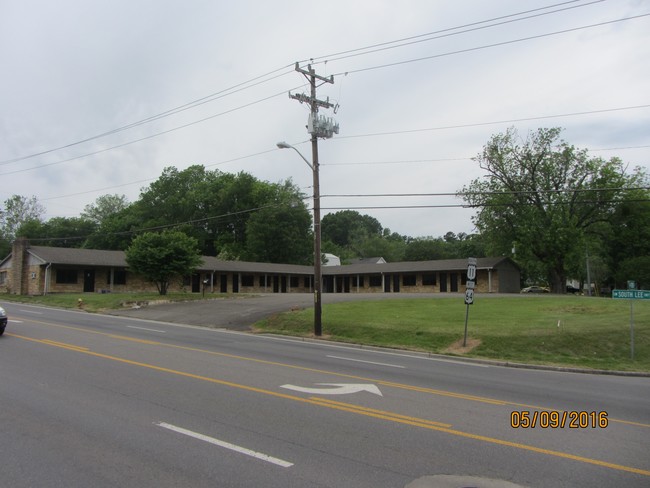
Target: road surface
[{"x": 104, "y": 401}]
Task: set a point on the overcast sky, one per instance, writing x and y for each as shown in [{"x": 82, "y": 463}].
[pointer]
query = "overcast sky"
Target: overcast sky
[{"x": 412, "y": 113}]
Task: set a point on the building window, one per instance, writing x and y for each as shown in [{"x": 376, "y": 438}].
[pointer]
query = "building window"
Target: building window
[
  {"x": 429, "y": 279},
  {"x": 374, "y": 280},
  {"x": 294, "y": 282},
  {"x": 307, "y": 281},
  {"x": 248, "y": 280},
  {"x": 119, "y": 277},
  {"x": 409, "y": 280},
  {"x": 360, "y": 281},
  {"x": 66, "y": 276},
  {"x": 3, "y": 277}
]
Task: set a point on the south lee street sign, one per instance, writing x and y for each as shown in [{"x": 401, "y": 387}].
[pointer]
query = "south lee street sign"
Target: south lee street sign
[{"x": 632, "y": 294}]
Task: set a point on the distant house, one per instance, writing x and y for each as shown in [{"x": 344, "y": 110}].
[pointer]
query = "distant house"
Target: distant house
[
  {"x": 37, "y": 270},
  {"x": 331, "y": 260}
]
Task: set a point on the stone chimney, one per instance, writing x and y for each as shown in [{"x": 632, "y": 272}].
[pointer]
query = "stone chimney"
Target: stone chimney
[{"x": 19, "y": 268}]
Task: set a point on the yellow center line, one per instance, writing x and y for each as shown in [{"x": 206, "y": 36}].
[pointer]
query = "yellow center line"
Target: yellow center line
[
  {"x": 63, "y": 344},
  {"x": 402, "y": 386},
  {"x": 379, "y": 413},
  {"x": 413, "y": 421}
]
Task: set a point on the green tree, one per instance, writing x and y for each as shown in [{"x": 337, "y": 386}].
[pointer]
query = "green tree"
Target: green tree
[
  {"x": 628, "y": 239},
  {"x": 637, "y": 269},
  {"x": 542, "y": 196},
  {"x": 16, "y": 211},
  {"x": 426, "y": 249},
  {"x": 212, "y": 206},
  {"x": 280, "y": 234},
  {"x": 346, "y": 227},
  {"x": 104, "y": 207},
  {"x": 58, "y": 231},
  {"x": 116, "y": 231},
  {"x": 161, "y": 257}
]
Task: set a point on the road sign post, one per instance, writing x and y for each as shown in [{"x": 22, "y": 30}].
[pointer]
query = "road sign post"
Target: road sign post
[
  {"x": 631, "y": 294},
  {"x": 469, "y": 292}
]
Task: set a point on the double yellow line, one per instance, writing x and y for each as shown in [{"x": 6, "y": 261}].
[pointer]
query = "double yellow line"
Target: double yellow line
[{"x": 335, "y": 405}]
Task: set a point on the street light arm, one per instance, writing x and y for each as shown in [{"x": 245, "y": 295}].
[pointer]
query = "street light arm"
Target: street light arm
[{"x": 286, "y": 145}]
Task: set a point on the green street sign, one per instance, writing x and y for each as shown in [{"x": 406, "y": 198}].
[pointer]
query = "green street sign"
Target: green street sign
[{"x": 632, "y": 294}]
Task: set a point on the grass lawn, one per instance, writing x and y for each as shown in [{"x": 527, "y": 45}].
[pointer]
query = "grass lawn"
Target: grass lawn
[
  {"x": 97, "y": 302},
  {"x": 571, "y": 330},
  {"x": 568, "y": 330}
]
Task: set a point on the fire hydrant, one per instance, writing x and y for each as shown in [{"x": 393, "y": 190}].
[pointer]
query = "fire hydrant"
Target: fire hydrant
[{"x": 80, "y": 303}]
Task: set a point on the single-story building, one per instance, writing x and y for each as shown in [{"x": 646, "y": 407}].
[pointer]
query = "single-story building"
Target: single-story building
[{"x": 38, "y": 270}]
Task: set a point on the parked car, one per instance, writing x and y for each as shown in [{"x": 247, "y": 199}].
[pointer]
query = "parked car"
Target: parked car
[
  {"x": 572, "y": 289},
  {"x": 3, "y": 320},
  {"x": 535, "y": 289}
]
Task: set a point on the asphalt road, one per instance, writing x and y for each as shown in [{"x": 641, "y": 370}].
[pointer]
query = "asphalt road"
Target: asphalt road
[{"x": 94, "y": 400}]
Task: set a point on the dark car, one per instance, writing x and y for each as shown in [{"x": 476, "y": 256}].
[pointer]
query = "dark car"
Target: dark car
[
  {"x": 572, "y": 289},
  {"x": 3, "y": 320}
]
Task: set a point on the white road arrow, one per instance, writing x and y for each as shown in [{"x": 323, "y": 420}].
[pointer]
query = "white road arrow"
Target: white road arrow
[{"x": 338, "y": 389}]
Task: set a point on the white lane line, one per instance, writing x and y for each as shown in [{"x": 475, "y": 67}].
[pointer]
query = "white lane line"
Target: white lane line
[
  {"x": 227, "y": 445},
  {"x": 368, "y": 362},
  {"x": 31, "y": 311},
  {"x": 144, "y": 328}
]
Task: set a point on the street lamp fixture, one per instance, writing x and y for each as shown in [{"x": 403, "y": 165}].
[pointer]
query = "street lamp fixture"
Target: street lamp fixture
[
  {"x": 318, "y": 288},
  {"x": 286, "y": 145}
]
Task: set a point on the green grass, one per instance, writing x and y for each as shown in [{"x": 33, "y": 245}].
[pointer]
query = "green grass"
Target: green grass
[
  {"x": 593, "y": 332},
  {"x": 97, "y": 302}
]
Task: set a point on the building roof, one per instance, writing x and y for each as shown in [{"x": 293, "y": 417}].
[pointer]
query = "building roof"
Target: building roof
[
  {"x": 95, "y": 257},
  {"x": 416, "y": 266},
  {"x": 78, "y": 257},
  {"x": 373, "y": 260}
]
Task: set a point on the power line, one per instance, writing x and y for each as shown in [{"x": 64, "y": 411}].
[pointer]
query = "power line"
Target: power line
[
  {"x": 151, "y": 136},
  {"x": 468, "y": 206},
  {"x": 494, "y": 122},
  {"x": 487, "y": 46},
  {"x": 193, "y": 104},
  {"x": 464, "y": 193},
  {"x": 249, "y": 84},
  {"x": 161, "y": 227},
  {"x": 407, "y": 41}
]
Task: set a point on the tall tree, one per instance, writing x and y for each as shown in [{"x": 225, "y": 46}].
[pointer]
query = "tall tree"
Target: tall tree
[
  {"x": 628, "y": 242},
  {"x": 16, "y": 211},
  {"x": 345, "y": 227},
  {"x": 541, "y": 196},
  {"x": 280, "y": 234},
  {"x": 58, "y": 231},
  {"x": 104, "y": 207},
  {"x": 161, "y": 257}
]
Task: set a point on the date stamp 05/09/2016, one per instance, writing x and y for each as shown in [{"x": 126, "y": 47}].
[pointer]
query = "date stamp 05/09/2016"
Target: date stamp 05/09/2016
[{"x": 556, "y": 419}]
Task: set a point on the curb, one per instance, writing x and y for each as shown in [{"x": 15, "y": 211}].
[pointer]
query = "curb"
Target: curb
[{"x": 490, "y": 362}]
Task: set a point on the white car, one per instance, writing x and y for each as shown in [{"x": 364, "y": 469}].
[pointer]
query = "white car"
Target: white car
[{"x": 3, "y": 320}]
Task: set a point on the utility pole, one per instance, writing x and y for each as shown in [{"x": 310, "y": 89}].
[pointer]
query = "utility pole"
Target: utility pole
[{"x": 317, "y": 126}]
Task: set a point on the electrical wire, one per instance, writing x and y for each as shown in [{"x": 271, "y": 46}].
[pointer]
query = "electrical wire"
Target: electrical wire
[
  {"x": 193, "y": 104},
  {"x": 487, "y": 46},
  {"x": 445, "y": 33},
  {"x": 151, "y": 136},
  {"x": 245, "y": 85}
]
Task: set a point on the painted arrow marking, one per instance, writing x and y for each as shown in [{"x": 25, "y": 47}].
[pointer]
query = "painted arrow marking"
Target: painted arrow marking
[{"x": 338, "y": 389}]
